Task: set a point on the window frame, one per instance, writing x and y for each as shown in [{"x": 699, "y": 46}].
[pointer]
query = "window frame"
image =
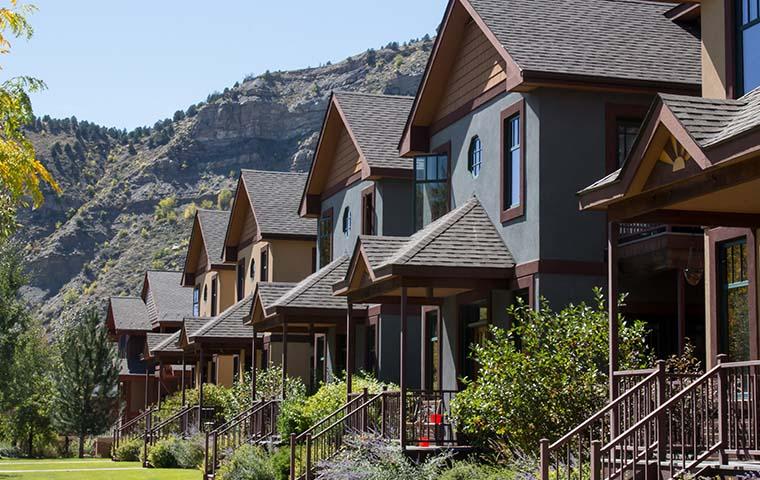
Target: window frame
[
  {"x": 369, "y": 217},
  {"x": 240, "y": 280},
  {"x": 346, "y": 221},
  {"x": 440, "y": 151},
  {"x": 471, "y": 151},
  {"x": 197, "y": 301},
  {"x": 264, "y": 264},
  {"x": 516, "y": 109},
  {"x": 325, "y": 215},
  {"x": 214, "y": 297},
  {"x": 614, "y": 113},
  {"x": 734, "y": 16},
  {"x": 252, "y": 268}
]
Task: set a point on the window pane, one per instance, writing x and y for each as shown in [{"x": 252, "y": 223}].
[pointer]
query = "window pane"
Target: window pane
[
  {"x": 515, "y": 176},
  {"x": 419, "y": 168},
  {"x": 515, "y": 138},
  {"x": 734, "y": 301},
  {"x": 431, "y": 168},
  {"x": 443, "y": 167},
  {"x": 751, "y": 57}
]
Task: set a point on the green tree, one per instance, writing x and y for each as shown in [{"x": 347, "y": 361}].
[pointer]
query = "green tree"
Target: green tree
[
  {"x": 14, "y": 315},
  {"x": 88, "y": 378},
  {"x": 224, "y": 199},
  {"x": 21, "y": 174},
  {"x": 545, "y": 375}
]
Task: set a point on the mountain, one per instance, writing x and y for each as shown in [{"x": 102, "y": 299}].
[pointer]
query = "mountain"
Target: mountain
[{"x": 128, "y": 198}]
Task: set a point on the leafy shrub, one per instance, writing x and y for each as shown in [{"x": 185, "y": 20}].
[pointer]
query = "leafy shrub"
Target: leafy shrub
[
  {"x": 369, "y": 458},
  {"x": 545, "y": 375},
  {"x": 249, "y": 463},
  {"x": 9, "y": 451},
  {"x": 174, "y": 452},
  {"x": 268, "y": 386},
  {"x": 165, "y": 209},
  {"x": 298, "y": 414},
  {"x": 128, "y": 451},
  {"x": 189, "y": 212},
  {"x": 224, "y": 199},
  {"x": 214, "y": 396}
]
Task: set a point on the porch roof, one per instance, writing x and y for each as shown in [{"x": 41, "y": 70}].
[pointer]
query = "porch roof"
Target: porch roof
[
  {"x": 128, "y": 314},
  {"x": 229, "y": 324},
  {"x": 165, "y": 297},
  {"x": 158, "y": 341},
  {"x": 309, "y": 301},
  {"x": 453, "y": 253},
  {"x": 694, "y": 158}
]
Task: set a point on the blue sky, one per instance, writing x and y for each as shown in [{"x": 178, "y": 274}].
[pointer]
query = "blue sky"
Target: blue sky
[{"x": 126, "y": 63}]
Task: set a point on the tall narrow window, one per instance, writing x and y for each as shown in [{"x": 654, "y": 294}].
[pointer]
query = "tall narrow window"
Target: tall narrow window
[
  {"x": 474, "y": 156},
  {"x": 325, "y": 230},
  {"x": 214, "y": 304},
  {"x": 368, "y": 211},
  {"x": 512, "y": 162},
  {"x": 264, "y": 265},
  {"x": 734, "y": 301},
  {"x": 240, "y": 279},
  {"x": 431, "y": 188},
  {"x": 475, "y": 332},
  {"x": 748, "y": 45},
  {"x": 346, "y": 222},
  {"x": 432, "y": 349},
  {"x": 370, "y": 364},
  {"x": 196, "y": 301},
  {"x": 627, "y": 130}
]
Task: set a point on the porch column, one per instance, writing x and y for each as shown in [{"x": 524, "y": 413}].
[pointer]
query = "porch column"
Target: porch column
[
  {"x": 253, "y": 365},
  {"x": 350, "y": 356},
  {"x": 612, "y": 301},
  {"x": 681, "y": 302},
  {"x": 158, "y": 385},
  {"x": 284, "y": 354},
  {"x": 402, "y": 379},
  {"x": 147, "y": 383},
  {"x": 312, "y": 370},
  {"x": 201, "y": 364},
  {"x": 184, "y": 366}
]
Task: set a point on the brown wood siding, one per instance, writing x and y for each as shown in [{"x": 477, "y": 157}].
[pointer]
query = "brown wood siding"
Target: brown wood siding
[
  {"x": 249, "y": 227},
  {"x": 346, "y": 161},
  {"x": 477, "y": 68},
  {"x": 202, "y": 260}
]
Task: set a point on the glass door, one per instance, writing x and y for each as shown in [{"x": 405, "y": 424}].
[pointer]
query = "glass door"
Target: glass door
[{"x": 734, "y": 301}]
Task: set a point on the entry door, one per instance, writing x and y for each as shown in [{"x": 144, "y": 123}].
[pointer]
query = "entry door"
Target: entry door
[
  {"x": 474, "y": 322},
  {"x": 735, "y": 329}
]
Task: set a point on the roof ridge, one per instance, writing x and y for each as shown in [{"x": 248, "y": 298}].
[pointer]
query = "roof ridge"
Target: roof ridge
[
  {"x": 125, "y": 297},
  {"x": 368, "y": 94},
  {"x": 272, "y": 171},
  {"x": 444, "y": 223},
  {"x": 308, "y": 282}
]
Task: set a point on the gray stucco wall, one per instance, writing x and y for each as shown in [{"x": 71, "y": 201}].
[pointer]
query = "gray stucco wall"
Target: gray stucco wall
[
  {"x": 348, "y": 197},
  {"x": 522, "y": 234},
  {"x": 395, "y": 207},
  {"x": 389, "y": 348}
]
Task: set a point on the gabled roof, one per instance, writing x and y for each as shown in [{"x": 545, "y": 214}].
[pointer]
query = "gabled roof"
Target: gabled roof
[
  {"x": 374, "y": 124},
  {"x": 209, "y": 228},
  {"x": 128, "y": 314},
  {"x": 706, "y": 122},
  {"x": 154, "y": 340},
  {"x": 229, "y": 324},
  {"x": 315, "y": 291},
  {"x": 165, "y": 297},
  {"x": 605, "y": 44},
  {"x": 274, "y": 201},
  {"x": 168, "y": 344},
  {"x": 463, "y": 238},
  {"x": 616, "y": 39},
  {"x": 268, "y": 293}
]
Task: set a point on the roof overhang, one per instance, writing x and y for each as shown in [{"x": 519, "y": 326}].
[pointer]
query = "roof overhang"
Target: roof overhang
[
  {"x": 714, "y": 187},
  {"x": 241, "y": 205}
]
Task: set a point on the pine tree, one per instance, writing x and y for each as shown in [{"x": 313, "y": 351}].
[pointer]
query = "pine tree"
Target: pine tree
[
  {"x": 88, "y": 378},
  {"x": 14, "y": 316}
]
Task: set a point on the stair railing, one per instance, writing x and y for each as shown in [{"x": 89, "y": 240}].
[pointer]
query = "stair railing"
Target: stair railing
[
  {"x": 132, "y": 429},
  {"x": 252, "y": 425},
  {"x": 178, "y": 424},
  {"x": 377, "y": 415},
  {"x": 714, "y": 417}
]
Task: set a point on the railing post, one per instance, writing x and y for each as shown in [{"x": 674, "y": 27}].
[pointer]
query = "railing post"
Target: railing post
[
  {"x": 544, "y": 448},
  {"x": 215, "y": 456},
  {"x": 308, "y": 456},
  {"x": 722, "y": 409},
  {"x": 292, "y": 456},
  {"x": 382, "y": 411},
  {"x": 364, "y": 419},
  {"x": 596, "y": 460},
  {"x": 205, "y": 461},
  {"x": 145, "y": 440},
  {"x": 661, "y": 420}
]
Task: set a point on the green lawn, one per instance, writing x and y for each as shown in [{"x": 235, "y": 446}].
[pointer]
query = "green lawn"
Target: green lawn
[{"x": 87, "y": 469}]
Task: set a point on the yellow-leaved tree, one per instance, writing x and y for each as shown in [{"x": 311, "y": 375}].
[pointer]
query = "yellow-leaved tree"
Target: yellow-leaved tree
[{"x": 21, "y": 174}]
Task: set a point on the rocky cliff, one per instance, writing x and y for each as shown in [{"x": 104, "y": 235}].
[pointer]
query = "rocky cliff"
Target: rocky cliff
[{"x": 128, "y": 197}]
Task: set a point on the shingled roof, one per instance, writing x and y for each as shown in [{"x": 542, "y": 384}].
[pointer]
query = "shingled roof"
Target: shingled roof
[
  {"x": 622, "y": 39},
  {"x": 269, "y": 292},
  {"x": 275, "y": 200},
  {"x": 213, "y": 225},
  {"x": 166, "y": 299},
  {"x": 315, "y": 291},
  {"x": 377, "y": 122},
  {"x": 168, "y": 343},
  {"x": 708, "y": 121},
  {"x": 153, "y": 340},
  {"x": 464, "y": 237},
  {"x": 130, "y": 314},
  {"x": 229, "y": 324}
]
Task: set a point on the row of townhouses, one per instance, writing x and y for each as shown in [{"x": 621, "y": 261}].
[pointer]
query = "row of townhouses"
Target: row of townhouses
[{"x": 552, "y": 146}]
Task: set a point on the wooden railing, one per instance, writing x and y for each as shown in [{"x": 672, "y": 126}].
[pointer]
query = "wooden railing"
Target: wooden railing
[
  {"x": 252, "y": 425},
  {"x": 630, "y": 232},
  {"x": 428, "y": 423},
  {"x": 377, "y": 415},
  {"x": 132, "y": 429},
  {"x": 641, "y": 392},
  {"x": 714, "y": 417},
  {"x": 183, "y": 423}
]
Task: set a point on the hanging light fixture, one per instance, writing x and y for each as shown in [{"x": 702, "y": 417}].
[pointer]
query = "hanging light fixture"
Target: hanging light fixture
[{"x": 695, "y": 268}]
